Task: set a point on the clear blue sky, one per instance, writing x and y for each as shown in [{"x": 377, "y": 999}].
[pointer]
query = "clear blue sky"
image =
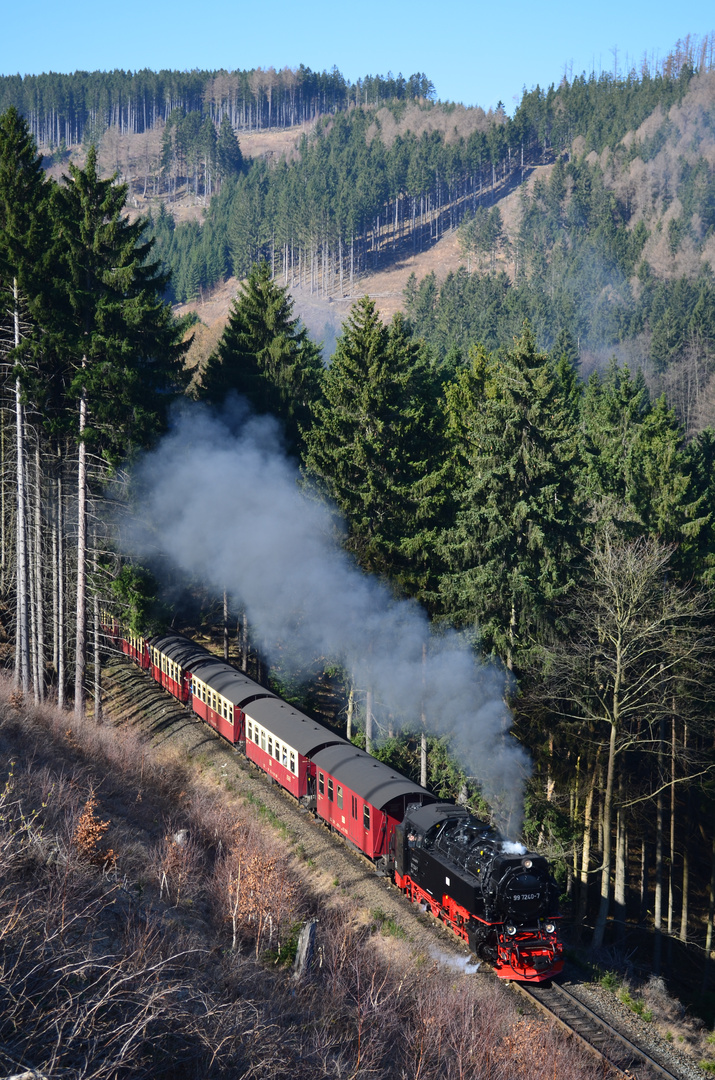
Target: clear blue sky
[{"x": 475, "y": 52}]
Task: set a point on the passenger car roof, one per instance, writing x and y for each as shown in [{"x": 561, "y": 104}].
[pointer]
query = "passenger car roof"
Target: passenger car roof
[
  {"x": 221, "y": 676},
  {"x": 372, "y": 780},
  {"x": 292, "y": 726}
]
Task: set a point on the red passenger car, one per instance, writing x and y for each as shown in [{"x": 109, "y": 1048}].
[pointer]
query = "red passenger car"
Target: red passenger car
[
  {"x": 220, "y": 694},
  {"x": 172, "y": 658},
  {"x": 281, "y": 740},
  {"x": 363, "y": 798},
  {"x": 136, "y": 646}
]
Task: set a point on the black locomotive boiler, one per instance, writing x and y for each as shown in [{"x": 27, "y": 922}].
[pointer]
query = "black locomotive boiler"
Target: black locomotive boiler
[{"x": 500, "y": 898}]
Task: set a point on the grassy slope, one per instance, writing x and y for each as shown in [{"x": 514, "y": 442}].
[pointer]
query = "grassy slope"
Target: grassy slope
[{"x": 128, "y": 953}]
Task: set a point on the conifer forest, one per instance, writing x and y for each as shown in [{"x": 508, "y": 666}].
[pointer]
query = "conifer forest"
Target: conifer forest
[{"x": 527, "y": 448}]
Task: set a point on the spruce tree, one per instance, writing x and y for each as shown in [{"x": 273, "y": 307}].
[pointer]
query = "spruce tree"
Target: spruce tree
[
  {"x": 119, "y": 337},
  {"x": 266, "y": 355},
  {"x": 228, "y": 151},
  {"x": 659, "y": 484},
  {"x": 518, "y": 528},
  {"x": 612, "y": 410},
  {"x": 700, "y": 463},
  {"x": 377, "y": 448},
  {"x": 24, "y": 241}
]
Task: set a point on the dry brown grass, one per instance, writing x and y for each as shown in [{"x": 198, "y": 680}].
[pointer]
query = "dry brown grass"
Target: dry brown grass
[{"x": 166, "y": 961}]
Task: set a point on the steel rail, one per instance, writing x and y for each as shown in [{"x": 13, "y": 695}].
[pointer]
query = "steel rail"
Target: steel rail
[{"x": 547, "y": 998}]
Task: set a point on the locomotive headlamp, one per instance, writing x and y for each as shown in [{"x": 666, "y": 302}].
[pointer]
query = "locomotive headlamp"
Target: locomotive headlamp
[
  {"x": 527, "y": 864},
  {"x": 549, "y": 928},
  {"x": 510, "y": 929}
]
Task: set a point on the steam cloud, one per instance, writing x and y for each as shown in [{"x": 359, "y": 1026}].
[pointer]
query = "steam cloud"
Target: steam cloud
[{"x": 224, "y": 503}]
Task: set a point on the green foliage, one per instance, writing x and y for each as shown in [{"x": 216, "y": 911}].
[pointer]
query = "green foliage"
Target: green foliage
[
  {"x": 387, "y": 925},
  {"x": 376, "y": 447},
  {"x": 518, "y": 526},
  {"x": 544, "y": 819},
  {"x": 265, "y": 355},
  {"x": 111, "y": 328},
  {"x": 137, "y": 592},
  {"x": 228, "y": 151},
  {"x": 636, "y": 1005},
  {"x": 482, "y": 234},
  {"x": 284, "y": 955},
  {"x": 81, "y": 105}
]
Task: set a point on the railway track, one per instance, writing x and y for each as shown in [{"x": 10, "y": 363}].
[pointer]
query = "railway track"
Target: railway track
[{"x": 617, "y": 1050}]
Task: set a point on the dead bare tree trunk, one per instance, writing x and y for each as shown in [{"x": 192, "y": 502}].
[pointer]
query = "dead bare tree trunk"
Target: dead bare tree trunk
[
  {"x": 671, "y": 868},
  {"x": 96, "y": 651},
  {"x": 351, "y": 710},
  {"x": 32, "y": 589},
  {"x": 658, "y": 905},
  {"x": 423, "y": 718},
  {"x": 22, "y": 643},
  {"x": 225, "y": 625},
  {"x": 39, "y": 591},
  {"x": 368, "y": 721},
  {"x": 55, "y": 587},
  {"x": 81, "y": 630},
  {"x": 61, "y": 667}
]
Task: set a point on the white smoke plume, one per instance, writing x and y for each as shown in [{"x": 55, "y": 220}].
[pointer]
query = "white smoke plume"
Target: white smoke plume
[
  {"x": 510, "y": 847},
  {"x": 224, "y": 502},
  {"x": 464, "y": 964}
]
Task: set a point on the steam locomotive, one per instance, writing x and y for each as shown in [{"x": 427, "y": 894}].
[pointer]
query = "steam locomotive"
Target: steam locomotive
[{"x": 496, "y": 896}]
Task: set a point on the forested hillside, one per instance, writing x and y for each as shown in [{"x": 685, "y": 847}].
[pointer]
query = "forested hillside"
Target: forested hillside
[
  {"x": 492, "y": 459},
  {"x": 371, "y": 184},
  {"x": 70, "y": 109},
  {"x": 616, "y": 248}
]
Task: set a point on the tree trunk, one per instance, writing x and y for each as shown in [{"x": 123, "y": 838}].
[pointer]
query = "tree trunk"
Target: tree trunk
[
  {"x": 709, "y": 928},
  {"x": 619, "y": 887},
  {"x": 244, "y": 643},
  {"x": 61, "y": 669},
  {"x": 97, "y": 656},
  {"x": 368, "y": 721},
  {"x": 671, "y": 868},
  {"x": 39, "y": 591},
  {"x": 351, "y": 710},
  {"x": 32, "y": 589},
  {"x": 423, "y": 739},
  {"x": 22, "y": 643},
  {"x": 55, "y": 588},
  {"x": 81, "y": 632},
  {"x": 686, "y": 860},
  {"x": 643, "y": 912},
  {"x": 600, "y": 927},
  {"x": 586, "y": 849},
  {"x": 225, "y": 625},
  {"x": 658, "y": 905},
  {"x": 3, "y": 522}
]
